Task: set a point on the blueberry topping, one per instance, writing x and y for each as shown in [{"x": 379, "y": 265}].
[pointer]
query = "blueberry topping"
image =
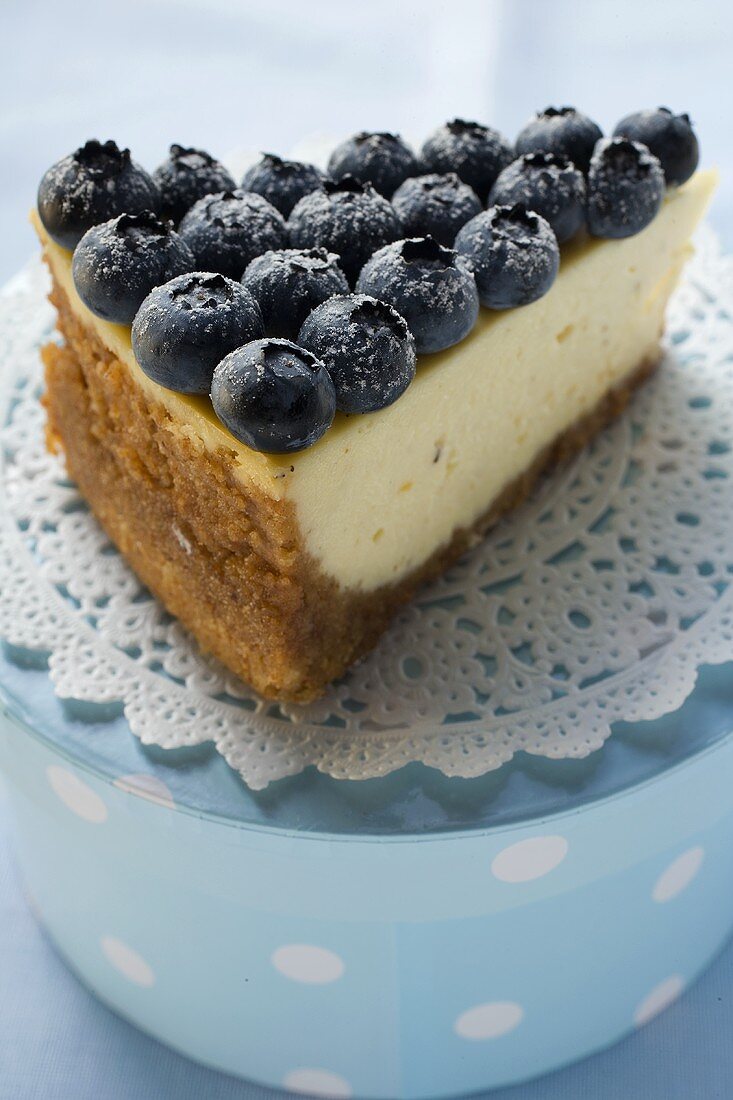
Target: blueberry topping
[
  {"x": 90, "y": 186},
  {"x": 273, "y": 396},
  {"x": 282, "y": 182},
  {"x": 563, "y": 131},
  {"x": 514, "y": 255},
  {"x": 668, "y": 136},
  {"x": 185, "y": 177},
  {"x": 187, "y": 326},
  {"x": 348, "y": 218},
  {"x": 548, "y": 184},
  {"x": 226, "y": 231},
  {"x": 435, "y": 206},
  {"x": 288, "y": 284},
  {"x": 625, "y": 188},
  {"x": 382, "y": 159},
  {"x": 431, "y": 286},
  {"x": 117, "y": 264},
  {"x": 367, "y": 348},
  {"x": 475, "y": 153}
]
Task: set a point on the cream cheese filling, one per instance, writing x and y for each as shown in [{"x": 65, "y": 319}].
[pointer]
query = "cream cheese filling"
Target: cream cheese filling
[{"x": 379, "y": 493}]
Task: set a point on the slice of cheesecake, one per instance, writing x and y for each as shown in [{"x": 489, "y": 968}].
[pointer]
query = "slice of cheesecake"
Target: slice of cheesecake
[{"x": 288, "y": 568}]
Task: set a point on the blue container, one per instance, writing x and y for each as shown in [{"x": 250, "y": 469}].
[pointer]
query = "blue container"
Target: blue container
[{"x": 413, "y": 936}]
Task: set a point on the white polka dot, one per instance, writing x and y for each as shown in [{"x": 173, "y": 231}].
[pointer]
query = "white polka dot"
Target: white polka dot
[
  {"x": 128, "y": 961},
  {"x": 148, "y": 787},
  {"x": 76, "y": 795},
  {"x": 678, "y": 875},
  {"x": 302, "y": 962},
  {"x": 661, "y": 997},
  {"x": 489, "y": 1021},
  {"x": 317, "y": 1082},
  {"x": 530, "y": 859}
]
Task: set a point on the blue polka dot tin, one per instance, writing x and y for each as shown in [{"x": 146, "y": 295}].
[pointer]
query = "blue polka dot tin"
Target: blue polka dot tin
[{"x": 413, "y": 936}]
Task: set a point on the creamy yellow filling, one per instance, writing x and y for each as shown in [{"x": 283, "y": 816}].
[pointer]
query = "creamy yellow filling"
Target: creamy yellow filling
[{"x": 378, "y": 494}]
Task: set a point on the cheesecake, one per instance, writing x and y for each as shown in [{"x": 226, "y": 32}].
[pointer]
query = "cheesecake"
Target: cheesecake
[{"x": 288, "y": 565}]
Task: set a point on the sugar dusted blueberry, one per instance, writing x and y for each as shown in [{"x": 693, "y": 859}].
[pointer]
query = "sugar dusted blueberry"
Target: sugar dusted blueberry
[
  {"x": 435, "y": 205},
  {"x": 564, "y": 131},
  {"x": 185, "y": 177},
  {"x": 513, "y": 253},
  {"x": 345, "y": 217},
  {"x": 625, "y": 188},
  {"x": 432, "y": 287},
  {"x": 90, "y": 186},
  {"x": 273, "y": 396},
  {"x": 226, "y": 231},
  {"x": 187, "y": 326},
  {"x": 282, "y": 182},
  {"x": 367, "y": 348},
  {"x": 117, "y": 264},
  {"x": 668, "y": 136},
  {"x": 291, "y": 282},
  {"x": 548, "y": 184},
  {"x": 382, "y": 159},
  {"x": 474, "y": 152}
]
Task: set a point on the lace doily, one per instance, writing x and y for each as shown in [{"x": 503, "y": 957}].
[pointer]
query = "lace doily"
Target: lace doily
[{"x": 595, "y": 602}]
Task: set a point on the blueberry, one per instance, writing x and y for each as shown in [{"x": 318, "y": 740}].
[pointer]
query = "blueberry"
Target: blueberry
[
  {"x": 382, "y": 159},
  {"x": 185, "y": 177},
  {"x": 273, "y": 396},
  {"x": 435, "y": 206},
  {"x": 226, "y": 231},
  {"x": 625, "y": 188},
  {"x": 117, "y": 264},
  {"x": 187, "y": 326},
  {"x": 668, "y": 136},
  {"x": 348, "y": 218},
  {"x": 282, "y": 182},
  {"x": 548, "y": 184},
  {"x": 475, "y": 153},
  {"x": 289, "y": 283},
  {"x": 561, "y": 130},
  {"x": 431, "y": 286},
  {"x": 367, "y": 348},
  {"x": 514, "y": 255},
  {"x": 91, "y": 186}
]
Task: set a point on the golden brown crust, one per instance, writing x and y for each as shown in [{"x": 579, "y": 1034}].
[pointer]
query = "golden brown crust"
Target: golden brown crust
[{"x": 228, "y": 562}]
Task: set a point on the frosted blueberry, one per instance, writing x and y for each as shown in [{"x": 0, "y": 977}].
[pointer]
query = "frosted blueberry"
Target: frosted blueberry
[{"x": 432, "y": 287}]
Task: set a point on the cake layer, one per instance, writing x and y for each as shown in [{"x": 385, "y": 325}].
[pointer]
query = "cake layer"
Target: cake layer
[
  {"x": 379, "y": 495},
  {"x": 288, "y": 568},
  {"x": 228, "y": 560}
]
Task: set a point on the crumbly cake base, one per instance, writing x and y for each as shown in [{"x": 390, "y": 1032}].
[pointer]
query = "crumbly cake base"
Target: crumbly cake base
[{"x": 226, "y": 561}]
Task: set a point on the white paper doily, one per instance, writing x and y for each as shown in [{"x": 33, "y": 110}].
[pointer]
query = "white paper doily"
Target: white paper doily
[{"x": 596, "y": 602}]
